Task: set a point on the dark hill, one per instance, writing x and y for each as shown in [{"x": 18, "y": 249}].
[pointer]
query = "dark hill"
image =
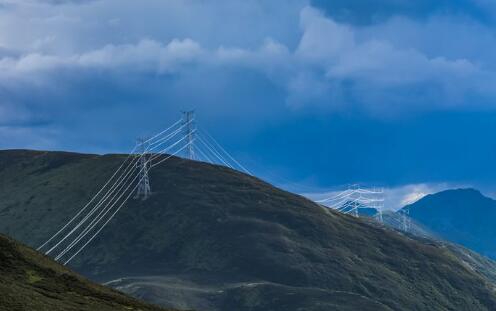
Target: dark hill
[
  {"x": 31, "y": 281},
  {"x": 463, "y": 216},
  {"x": 214, "y": 239}
]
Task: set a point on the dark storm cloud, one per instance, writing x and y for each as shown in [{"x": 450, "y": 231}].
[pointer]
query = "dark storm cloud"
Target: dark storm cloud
[{"x": 374, "y": 11}]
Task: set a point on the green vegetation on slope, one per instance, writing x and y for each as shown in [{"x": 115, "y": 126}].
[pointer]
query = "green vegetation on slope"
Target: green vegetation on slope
[
  {"x": 31, "y": 281},
  {"x": 218, "y": 229}
]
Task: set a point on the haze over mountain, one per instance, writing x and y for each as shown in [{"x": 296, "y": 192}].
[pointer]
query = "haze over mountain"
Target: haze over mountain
[
  {"x": 30, "y": 281},
  {"x": 463, "y": 216},
  {"x": 211, "y": 238}
]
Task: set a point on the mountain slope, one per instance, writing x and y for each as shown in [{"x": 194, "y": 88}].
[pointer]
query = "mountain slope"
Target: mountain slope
[
  {"x": 462, "y": 216},
  {"x": 403, "y": 222},
  {"x": 211, "y": 238},
  {"x": 31, "y": 281}
]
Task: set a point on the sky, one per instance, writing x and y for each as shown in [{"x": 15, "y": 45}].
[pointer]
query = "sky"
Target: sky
[{"x": 310, "y": 94}]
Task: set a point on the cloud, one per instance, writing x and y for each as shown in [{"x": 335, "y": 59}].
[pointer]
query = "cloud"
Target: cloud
[
  {"x": 376, "y": 68},
  {"x": 376, "y": 11},
  {"x": 398, "y": 197},
  {"x": 332, "y": 65},
  {"x": 328, "y": 65},
  {"x": 145, "y": 56},
  {"x": 323, "y": 40}
]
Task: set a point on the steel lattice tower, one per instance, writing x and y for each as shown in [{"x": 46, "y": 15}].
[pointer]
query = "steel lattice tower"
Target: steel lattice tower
[
  {"x": 405, "y": 220},
  {"x": 143, "y": 166},
  {"x": 189, "y": 132},
  {"x": 379, "y": 204},
  {"x": 356, "y": 206}
]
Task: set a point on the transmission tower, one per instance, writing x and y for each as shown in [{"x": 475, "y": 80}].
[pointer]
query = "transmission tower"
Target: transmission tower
[
  {"x": 379, "y": 214},
  {"x": 405, "y": 220},
  {"x": 143, "y": 167},
  {"x": 189, "y": 132},
  {"x": 356, "y": 200},
  {"x": 356, "y": 206},
  {"x": 379, "y": 205}
]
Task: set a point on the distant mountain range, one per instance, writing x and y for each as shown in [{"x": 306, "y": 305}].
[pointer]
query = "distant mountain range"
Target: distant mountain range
[
  {"x": 210, "y": 238},
  {"x": 30, "y": 281},
  {"x": 462, "y": 216}
]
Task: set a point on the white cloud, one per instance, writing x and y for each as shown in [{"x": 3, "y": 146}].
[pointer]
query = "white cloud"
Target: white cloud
[
  {"x": 323, "y": 41},
  {"x": 322, "y": 63},
  {"x": 146, "y": 55},
  {"x": 377, "y": 65},
  {"x": 398, "y": 197}
]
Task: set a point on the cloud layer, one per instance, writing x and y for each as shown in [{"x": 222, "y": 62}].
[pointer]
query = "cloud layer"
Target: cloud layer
[
  {"x": 92, "y": 75},
  {"x": 324, "y": 63}
]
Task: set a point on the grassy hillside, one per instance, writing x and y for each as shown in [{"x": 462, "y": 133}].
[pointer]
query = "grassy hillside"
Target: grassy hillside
[
  {"x": 31, "y": 281},
  {"x": 232, "y": 242}
]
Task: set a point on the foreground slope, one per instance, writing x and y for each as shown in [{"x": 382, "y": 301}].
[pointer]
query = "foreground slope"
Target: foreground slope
[
  {"x": 462, "y": 216},
  {"x": 31, "y": 281},
  {"x": 211, "y": 238}
]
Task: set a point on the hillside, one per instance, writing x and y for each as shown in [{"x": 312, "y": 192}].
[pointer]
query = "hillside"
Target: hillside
[
  {"x": 462, "y": 216},
  {"x": 31, "y": 281},
  {"x": 403, "y": 222},
  {"x": 211, "y": 238}
]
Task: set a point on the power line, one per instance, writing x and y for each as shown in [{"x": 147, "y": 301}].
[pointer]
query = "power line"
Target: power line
[
  {"x": 207, "y": 158},
  {"x": 102, "y": 189},
  {"x": 188, "y": 120},
  {"x": 115, "y": 186},
  {"x": 108, "y": 208},
  {"x": 225, "y": 152},
  {"x": 87, "y": 204},
  {"x": 115, "y": 192},
  {"x": 116, "y": 211},
  {"x": 352, "y": 199},
  {"x": 215, "y": 153}
]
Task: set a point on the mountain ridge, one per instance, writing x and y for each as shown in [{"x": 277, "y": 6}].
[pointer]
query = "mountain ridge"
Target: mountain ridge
[
  {"x": 218, "y": 231},
  {"x": 462, "y": 216}
]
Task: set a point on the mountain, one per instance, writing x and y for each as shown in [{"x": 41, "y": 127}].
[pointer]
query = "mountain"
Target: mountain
[
  {"x": 31, "y": 281},
  {"x": 462, "y": 216},
  {"x": 210, "y": 238}
]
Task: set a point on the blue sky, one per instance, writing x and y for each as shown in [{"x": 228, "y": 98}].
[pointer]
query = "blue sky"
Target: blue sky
[{"x": 316, "y": 93}]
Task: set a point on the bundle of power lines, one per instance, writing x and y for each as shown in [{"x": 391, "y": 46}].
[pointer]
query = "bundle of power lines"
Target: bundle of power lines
[
  {"x": 355, "y": 198},
  {"x": 209, "y": 150},
  {"x": 132, "y": 178}
]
